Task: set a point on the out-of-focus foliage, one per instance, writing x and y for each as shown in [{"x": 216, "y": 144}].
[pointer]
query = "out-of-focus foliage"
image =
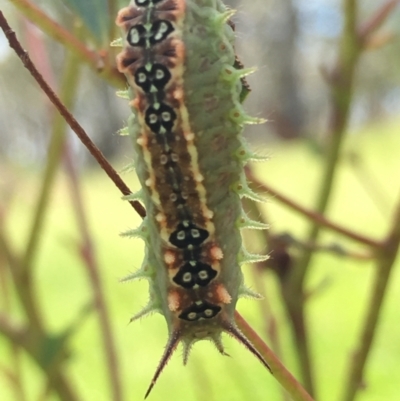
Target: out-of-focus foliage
[{"x": 94, "y": 14}]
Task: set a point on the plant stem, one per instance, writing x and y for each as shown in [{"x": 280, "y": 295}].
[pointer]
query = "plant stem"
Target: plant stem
[
  {"x": 68, "y": 87},
  {"x": 92, "y": 268},
  {"x": 34, "y": 337},
  {"x": 341, "y": 94},
  {"x": 112, "y": 11},
  {"x": 280, "y": 373},
  {"x": 387, "y": 257},
  {"x": 69, "y": 41},
  {"x": 312, "y": 215}
]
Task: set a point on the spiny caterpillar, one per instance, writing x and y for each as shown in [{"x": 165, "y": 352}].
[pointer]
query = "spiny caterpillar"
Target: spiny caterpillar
[{"x": 186, "y": 88}]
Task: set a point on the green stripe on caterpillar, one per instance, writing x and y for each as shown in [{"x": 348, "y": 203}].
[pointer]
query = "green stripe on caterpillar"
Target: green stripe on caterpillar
[{"x": 186, "y": 91}]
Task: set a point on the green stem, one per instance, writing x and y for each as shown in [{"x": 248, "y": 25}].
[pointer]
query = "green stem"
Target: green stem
[
  {"x": 112, "y": 11},
  {"x": 92, "y": 268},
  {"x": 387, "y": 257},
  {"x": 317, "y": 218},
  {"x": 341, "y": 94},
  {"x": 68, "y": 91}
]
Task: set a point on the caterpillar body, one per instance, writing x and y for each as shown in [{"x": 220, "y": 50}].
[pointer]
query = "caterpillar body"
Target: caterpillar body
[{"x": 185, "y": 89}]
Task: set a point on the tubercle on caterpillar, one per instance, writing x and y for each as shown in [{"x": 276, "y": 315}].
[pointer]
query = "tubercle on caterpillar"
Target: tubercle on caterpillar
[{"x": 186, "y": 88}]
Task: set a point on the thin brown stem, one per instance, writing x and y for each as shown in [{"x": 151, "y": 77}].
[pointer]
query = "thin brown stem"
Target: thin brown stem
[
  {"x": 22, "y": 283},
  {"x": 267, "y": 316},
  {"x": 280, "y": 373},
  {"x": 342, "y": 87},
  {"x": 316, "y": 217},
  {"x": 15, "y": 375},
  {"x": 385, "y": 265},
  {"x": 96, "y": 61},
  {"x": 341, "y": 94},
  {"x": 88, "y": 255},
  {"x": 371, "y": 25}
]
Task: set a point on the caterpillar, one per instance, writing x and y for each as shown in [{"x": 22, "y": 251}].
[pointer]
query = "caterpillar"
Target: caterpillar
[{"x": 186, "y": 87}]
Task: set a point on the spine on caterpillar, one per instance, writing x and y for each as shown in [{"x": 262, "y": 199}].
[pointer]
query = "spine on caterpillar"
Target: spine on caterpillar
[{"x": 186, "y": 125}]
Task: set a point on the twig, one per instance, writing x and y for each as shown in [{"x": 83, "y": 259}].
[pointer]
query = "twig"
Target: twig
[
  {"x": 284, "y": 377},
  {"x": 69, "y": 82},
  {"x": 58, "y": 33},
  {"x": 341, "y": 93},
  {"x": 15, "y": 375},
  {"x": 88, "y": 255},
  {"x": 316, "y": 217},
  {"x": 370, "y": 183},
  {"x": 112, "y": 12},
  {"x": 370, "y": 26},
  {"x": 71, "y": 121},
  {"x": 22, "y": 283},
  {"x": 385, "y": 266},
  {"x": 267, "y": 316}
]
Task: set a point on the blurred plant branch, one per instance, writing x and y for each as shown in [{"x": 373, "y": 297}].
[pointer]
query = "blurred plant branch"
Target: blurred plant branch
[
  {"x": 367, "y": 29},
  {"x": 89, "y": 258},
  {"x": 68, "y": 86},
  {"x": 384, "y": 267},
  {"x": 312, "y": 215},
  {"x": 33, "y": 337},
  {"x": 97, "y": 61}
]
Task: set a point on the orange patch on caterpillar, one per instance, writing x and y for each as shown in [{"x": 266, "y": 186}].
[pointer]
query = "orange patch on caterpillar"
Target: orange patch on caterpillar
[
  {"x": 178, "y": 94},
  {"x": 169, "y": 257},
  {"x": 216, "y": 252},
  {"x": 135, "y": 103},
  {"x": 179, "y": 56},
  {"x": 173, "y": 300},
  {"x": 139, "y": 102},
  {"x": 223, "y": 294},
  {"x": 179, "y": 50}
]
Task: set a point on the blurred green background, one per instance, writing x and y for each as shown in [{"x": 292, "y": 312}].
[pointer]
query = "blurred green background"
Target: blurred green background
[{"x": 291, "y": 41}]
